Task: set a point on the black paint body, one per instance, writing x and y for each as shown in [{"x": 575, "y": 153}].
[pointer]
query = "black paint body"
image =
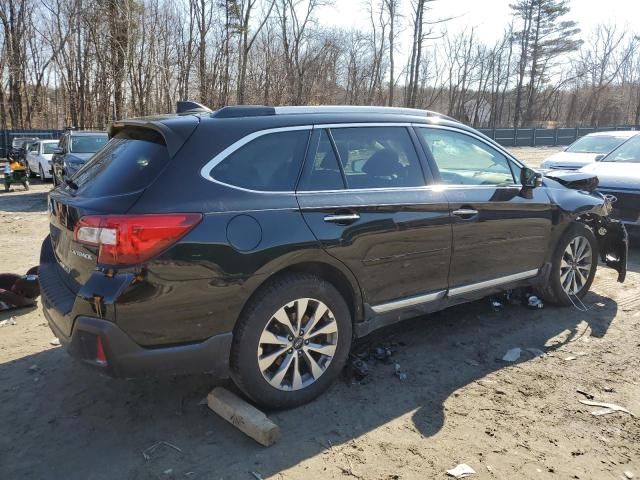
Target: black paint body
[{"x": 406, "y": 243}]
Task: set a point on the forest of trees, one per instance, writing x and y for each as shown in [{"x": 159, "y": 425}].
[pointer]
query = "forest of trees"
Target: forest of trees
[{"x": 85, "y": 63}]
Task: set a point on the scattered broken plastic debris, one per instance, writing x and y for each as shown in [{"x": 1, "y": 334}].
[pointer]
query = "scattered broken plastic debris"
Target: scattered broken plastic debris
[
  {"x": 461, "y": 471},
  {"x": 55, "y": 342},
  {"x": 536, "y": 352},
  {"x": 256, "y": 475},
  {"x": 399, "y": 373},
  {"x": 586, "y": 394},
  {"x": 568, "y": 359},
  {"x": 534, "y": 302},
  {"x": 607, "y": 408},
  {"x": 147, "y": 453},
  {"x": 628, "y": 474},
  {"x": 512, "y": 355},
  {"x": 496, "y": 305}
]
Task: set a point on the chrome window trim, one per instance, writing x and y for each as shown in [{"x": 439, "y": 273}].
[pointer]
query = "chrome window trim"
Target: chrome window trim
[
  {"x": 211, "y": 164},
  {"x": 493, "y": 282},
  {"x": 408, "y": 302}
]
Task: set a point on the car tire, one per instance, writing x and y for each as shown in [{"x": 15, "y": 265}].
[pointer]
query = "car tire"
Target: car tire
[
  {"x": 30, "y": 172},
  {"x": 278, "y": 368},
  {"x": 41, "y": 172},
  {"x": 573, "y": 266}
]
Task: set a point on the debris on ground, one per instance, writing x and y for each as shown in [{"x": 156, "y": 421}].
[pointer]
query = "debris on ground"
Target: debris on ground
[
  {"x": 147, "y": 453},
  {"x": 358, "y": 367},
  {"x": 628, "y": 475},
  {"x": 34, "y": 368},
  {"x": 461, "y": 471},
  {"x": 256, "y": 475},
  {"x": 534, "y": 303},
  {"x": 55, "y": 342},
  {"x": 18, "y": 291},
  {"x": 496, "y": 305},
  {"x": 569, "y": 358},
  {"x": 168, "y": 471},
  {"x": 536, "y": 352},
  {"x": 607, "y": 408},
  {"x": 586, "y": 394},
  {"x": 399, "y": 373},
  {"x": 512, "y": 355},
  {"x": 244, "y": 416}
]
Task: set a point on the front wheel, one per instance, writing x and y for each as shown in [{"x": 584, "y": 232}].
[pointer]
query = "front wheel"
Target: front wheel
[
  {"x": 291, "y": 342},
  {"x": 573, "y": 266}
]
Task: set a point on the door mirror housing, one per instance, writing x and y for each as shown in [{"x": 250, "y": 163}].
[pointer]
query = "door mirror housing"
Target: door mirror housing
[
  {"x": 530, "y": 178},
  {"x": 600, "y": 157},
  {"x": 58, "y": 151}
]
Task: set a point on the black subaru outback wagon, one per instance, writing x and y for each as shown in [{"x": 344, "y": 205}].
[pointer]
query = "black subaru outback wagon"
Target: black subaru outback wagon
[{"x": 260, "y": 242}]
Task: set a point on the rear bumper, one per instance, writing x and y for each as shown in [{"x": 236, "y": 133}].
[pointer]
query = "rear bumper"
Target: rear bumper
[{"x": 127, "y": 359}]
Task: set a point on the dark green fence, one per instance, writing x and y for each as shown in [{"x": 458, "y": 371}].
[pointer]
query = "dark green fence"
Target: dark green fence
[
  {"x": 539, "y": 137},
  {"x": 6, "y": 136}
]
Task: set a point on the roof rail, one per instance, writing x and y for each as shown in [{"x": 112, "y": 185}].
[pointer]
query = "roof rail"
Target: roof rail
[
  {"x": 329, "y": 109},
  {"x": 236, "y": 111},
  {"x": 186, "y": 106}
]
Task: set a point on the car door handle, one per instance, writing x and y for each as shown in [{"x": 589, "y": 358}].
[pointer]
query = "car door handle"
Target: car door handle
[
  {"x": 465, "y": 212},
  {"x": 342, "y": 218}
]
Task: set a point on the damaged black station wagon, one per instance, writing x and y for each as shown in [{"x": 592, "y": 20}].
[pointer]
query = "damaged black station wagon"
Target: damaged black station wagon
[{"x": 259, "y": 242}]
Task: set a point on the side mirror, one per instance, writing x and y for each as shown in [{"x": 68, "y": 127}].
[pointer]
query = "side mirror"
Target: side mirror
[
  {"x": 58, "y": 151},
  {"x": 530, "y": 178},
  {"x": 600, "y": 157}
]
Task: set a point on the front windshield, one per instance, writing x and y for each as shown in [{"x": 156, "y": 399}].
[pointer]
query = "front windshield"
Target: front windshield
[
  {"x": 595, "y": 144},
  {"x": 627, "y": 152},
  {"x": 49, "y": 147},
  {"x": 87, "y": 143}
]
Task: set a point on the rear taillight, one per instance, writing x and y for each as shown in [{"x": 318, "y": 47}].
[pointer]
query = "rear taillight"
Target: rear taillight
[
  {"x": 101, "y": 358},
  {"x": 133, "y": 239}
]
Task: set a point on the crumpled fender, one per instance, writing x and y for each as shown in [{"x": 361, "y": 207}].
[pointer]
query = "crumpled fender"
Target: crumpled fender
[{"x": 593, "y": 209}]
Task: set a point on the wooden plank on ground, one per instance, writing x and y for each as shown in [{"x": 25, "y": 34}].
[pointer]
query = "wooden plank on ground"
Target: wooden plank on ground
[{"x": 243, "y": 416}]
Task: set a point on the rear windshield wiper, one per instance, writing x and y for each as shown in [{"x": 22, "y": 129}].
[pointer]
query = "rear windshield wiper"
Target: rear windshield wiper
[{"x": 71, "y": 184}]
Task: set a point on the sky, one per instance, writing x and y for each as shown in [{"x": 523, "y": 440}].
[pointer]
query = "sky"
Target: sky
[{"x": 490, "y": 17}]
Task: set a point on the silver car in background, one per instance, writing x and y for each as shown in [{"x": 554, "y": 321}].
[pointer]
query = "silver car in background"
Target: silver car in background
[
  {"x": 619, "y": 175},
  {"x": 587, "y": 150},
  {"x": 39, "y": 155}
]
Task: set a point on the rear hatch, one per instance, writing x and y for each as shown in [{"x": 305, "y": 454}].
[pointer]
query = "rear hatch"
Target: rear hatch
[{"x": 109, "y": 184}]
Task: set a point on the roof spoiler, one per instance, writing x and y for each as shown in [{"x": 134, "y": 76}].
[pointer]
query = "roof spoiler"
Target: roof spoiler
[{"x": 188, "y": 106}]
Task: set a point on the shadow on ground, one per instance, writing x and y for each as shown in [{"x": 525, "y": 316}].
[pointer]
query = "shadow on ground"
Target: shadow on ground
[{"x": 62, "y": 421}]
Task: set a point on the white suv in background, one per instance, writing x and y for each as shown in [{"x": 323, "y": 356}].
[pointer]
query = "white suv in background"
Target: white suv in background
[
  {"x": 587, "y": 150},
  {"x": 39, "y": 158}
]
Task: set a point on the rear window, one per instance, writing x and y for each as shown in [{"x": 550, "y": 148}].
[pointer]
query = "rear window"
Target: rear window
[
  {"x": 131, "y": 161},
  {"x": 87, "y": 143}
]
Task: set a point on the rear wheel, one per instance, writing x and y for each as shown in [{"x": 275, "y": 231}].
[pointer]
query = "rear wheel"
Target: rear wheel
[
  {"x": 42, "y": 177},
  {"x": 291, "y": 342},
  {"x": 573, "y": 265}
]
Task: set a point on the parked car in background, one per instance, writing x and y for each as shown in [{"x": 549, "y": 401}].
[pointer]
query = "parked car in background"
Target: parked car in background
[
  {"x": 39, "y": 158},
  {"x": 619, "y": 175},
  {"x": 19, "y": 146},
  {"x": 74, "y": 149},
  {"x": 294, "y": 230},
  {"x": 587, "y": 150}
]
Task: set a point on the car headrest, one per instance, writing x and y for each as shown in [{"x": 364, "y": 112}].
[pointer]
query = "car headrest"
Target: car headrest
[{"x": 384, "y": 163}]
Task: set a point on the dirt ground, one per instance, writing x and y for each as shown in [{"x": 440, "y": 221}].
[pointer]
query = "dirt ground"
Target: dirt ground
[{"x": 460, "y": 403}]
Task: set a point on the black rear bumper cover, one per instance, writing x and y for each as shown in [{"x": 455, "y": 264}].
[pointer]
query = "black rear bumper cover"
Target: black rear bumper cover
[{"x": 127, "y": 359}]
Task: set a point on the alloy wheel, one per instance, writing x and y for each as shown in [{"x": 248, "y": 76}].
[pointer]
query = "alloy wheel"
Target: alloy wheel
[
  {"x": 576, "y": 265},
  {"x": 297, "y": 344}
]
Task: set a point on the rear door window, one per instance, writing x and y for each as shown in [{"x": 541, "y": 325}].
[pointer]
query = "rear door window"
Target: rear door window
[
  {"x": 129, "y": 162},
  {"x": 324, "y": 172},
  {"x": 270, "y": 162},
  {"x": 378, "y": 157}
]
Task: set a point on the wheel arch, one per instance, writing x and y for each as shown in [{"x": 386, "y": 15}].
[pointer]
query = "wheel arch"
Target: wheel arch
[{"x": 331, "y": 271}]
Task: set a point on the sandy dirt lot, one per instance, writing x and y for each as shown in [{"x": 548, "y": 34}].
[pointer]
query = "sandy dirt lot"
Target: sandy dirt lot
[{"x": 460, "y": 403}]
